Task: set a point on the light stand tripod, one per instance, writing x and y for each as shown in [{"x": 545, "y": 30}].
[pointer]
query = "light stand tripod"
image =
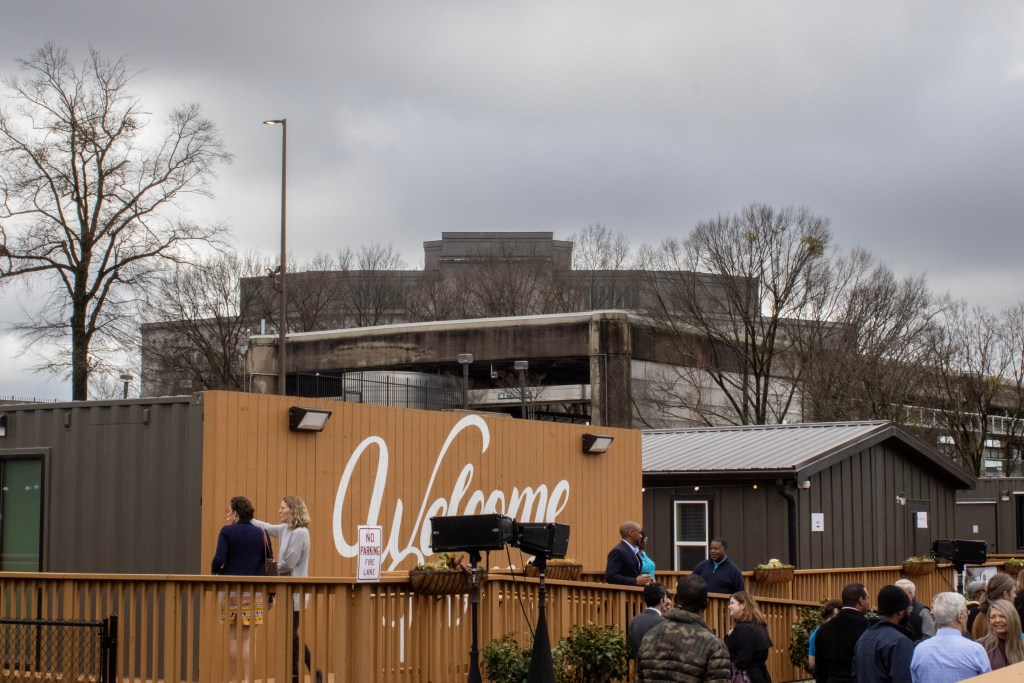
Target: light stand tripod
[
  {"x": 474, "y": 606},
  {"x": 474, "y": 533},
  {"x": 542, "y": 668}
]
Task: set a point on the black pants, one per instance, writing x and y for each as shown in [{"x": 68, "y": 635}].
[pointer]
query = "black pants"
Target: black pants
[{"x": 295, "y": 646}]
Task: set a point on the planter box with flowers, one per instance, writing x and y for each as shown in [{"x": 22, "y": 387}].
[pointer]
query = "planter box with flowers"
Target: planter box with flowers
[
  {"x": 1013, "y": 566},
  {"x": 560, "y": 570},
  {"x": 447, "y": 575},
  {"x": 918, "y": 566},
  {"x": 773, "y": 571}
]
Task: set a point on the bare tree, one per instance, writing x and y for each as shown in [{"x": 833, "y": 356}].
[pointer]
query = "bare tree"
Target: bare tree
[
  {"x": 511, "y": 280},
  {"x": 314, "y": 297},
  {"x": 200, "y": 325},
  {"x": 436, "y": 298},
  {"x": 600, "y": 257},
  {"x": 371, "y": 284},
  {"x": 1011, "y": 395},
  {"x": 87, "y": 206},
  {"x": 736, "y": 334},
  {"x": 599, "y": 248},
  {"x": 866, "y": 351},
  {"x": 970, "y": 362}
]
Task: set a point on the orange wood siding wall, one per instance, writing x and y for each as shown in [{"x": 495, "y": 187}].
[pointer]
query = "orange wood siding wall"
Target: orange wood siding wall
[{"x": 392, "y": 455}]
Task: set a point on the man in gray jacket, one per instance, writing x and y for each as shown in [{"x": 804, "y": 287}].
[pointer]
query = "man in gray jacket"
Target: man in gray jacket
[{"x": 682, "y": 649}]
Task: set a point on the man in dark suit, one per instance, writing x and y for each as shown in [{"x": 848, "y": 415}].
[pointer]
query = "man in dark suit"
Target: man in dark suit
[
  {"x": 654, "y": 595},
  {"x": 837, "y": 638},
  {"x": 623, "y": 567}
]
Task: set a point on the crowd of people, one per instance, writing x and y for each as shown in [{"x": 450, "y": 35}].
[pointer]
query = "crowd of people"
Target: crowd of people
[{"x": 904, "y": 641}]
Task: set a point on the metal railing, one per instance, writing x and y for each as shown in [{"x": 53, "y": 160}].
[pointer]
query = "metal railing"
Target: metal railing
[{"x": 400, "y": 392}]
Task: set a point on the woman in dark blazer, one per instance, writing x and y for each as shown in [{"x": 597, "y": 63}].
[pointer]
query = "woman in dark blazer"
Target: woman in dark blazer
[
  {"x": 242, "y": 550},
  {"x": 748, "y": 641}
]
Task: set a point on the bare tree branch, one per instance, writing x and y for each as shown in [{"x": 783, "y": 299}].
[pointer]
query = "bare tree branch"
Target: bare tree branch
[{"x": 86, "y": 207}]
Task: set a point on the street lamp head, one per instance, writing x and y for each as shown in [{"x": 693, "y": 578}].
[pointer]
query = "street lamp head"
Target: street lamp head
[{"x": 274, "y": 122}]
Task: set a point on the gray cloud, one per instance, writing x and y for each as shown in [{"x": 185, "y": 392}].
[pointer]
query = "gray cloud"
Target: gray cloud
[{"x": 900, "y": 121}]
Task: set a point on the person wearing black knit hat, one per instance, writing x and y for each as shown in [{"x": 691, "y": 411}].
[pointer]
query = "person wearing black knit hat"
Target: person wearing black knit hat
[{"x": 884, "y": 652}]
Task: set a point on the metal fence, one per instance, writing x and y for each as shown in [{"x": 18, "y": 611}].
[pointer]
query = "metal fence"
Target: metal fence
[
  {"x": 435, "y": 393},
  {"x": 61, "y": 649}
]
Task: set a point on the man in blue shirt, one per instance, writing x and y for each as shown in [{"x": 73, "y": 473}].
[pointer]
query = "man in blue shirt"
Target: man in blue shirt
[
  {"x": 948, "y": 657},
  {"x": 722, "y": 576}
]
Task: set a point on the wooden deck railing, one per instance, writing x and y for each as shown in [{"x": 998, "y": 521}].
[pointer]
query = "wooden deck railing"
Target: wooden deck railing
[{"x": 170, "y": 629}]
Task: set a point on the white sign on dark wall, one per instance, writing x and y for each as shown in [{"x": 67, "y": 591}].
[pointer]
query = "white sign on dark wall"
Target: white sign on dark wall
[
  {"x": 368, "y": 569},
  {"x": 817, "y": 521}
]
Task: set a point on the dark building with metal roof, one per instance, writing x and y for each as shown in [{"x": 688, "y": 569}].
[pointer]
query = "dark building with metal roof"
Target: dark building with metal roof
[
  {"x": 816, "y": 495},
  {"x": 993, "y": 512}
]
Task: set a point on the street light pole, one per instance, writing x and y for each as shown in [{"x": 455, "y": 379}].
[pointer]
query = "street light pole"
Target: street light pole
[
  {"x": 283, "y": 298},
  {"x": 465, "y": 359},
  {"x": 521, "y": 366},
  {"x": 127, "y": 379}
]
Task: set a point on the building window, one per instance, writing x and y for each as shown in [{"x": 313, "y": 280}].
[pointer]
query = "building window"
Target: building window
[{"x": 690, "y": 530}]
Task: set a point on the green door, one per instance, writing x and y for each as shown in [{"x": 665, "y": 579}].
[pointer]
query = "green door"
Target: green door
[{"x": 21, "y": 507}]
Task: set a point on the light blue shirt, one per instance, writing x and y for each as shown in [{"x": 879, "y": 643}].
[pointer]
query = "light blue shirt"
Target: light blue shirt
[{"x": 948, "y": 657}]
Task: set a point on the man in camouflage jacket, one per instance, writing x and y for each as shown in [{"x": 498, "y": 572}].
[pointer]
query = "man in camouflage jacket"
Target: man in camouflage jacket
[{"x": 682, "y": 649}]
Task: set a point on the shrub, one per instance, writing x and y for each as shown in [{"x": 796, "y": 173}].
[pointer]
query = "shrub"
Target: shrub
[
  {"x": 809, "y": 619},
  {"x": 505, "y": 661},
  {"x": 591, "y": 654}
]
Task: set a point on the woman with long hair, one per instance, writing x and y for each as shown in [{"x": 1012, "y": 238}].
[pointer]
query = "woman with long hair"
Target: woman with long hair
[
  {"x": 828, "y": 610},
  {"x": 999, "y": 587},
  {"x": 292, "y": 555},
  {"x": 1004, "y": 642},
  {"x": 748, "y": 640},
  {"x": 241, "y": 551}
]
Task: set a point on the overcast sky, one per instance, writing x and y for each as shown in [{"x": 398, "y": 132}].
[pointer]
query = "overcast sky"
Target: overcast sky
[{"x": 902, "y": 122}]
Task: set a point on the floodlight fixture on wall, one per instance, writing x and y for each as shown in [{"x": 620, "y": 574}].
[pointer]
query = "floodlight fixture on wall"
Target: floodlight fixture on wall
[
  {"x": 597, "y": 443},
  {"x": 307, "y": 419},
  {"x": 3, "y": 425},
  {"x": 1004, "y": 495}
]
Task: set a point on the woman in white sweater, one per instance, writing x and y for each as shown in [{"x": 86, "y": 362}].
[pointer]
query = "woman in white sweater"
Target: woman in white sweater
[
  {"x": 293, "y": 551},
  {"x": 292, "y": 556}
]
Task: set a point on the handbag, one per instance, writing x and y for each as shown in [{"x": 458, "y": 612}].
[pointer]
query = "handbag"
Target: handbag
[
  {"x": 269, "y": 563},
  {"x": 738, "y": 675}
]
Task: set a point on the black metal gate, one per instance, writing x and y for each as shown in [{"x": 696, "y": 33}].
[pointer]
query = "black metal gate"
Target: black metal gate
[{"x": 60, "y": 649}]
